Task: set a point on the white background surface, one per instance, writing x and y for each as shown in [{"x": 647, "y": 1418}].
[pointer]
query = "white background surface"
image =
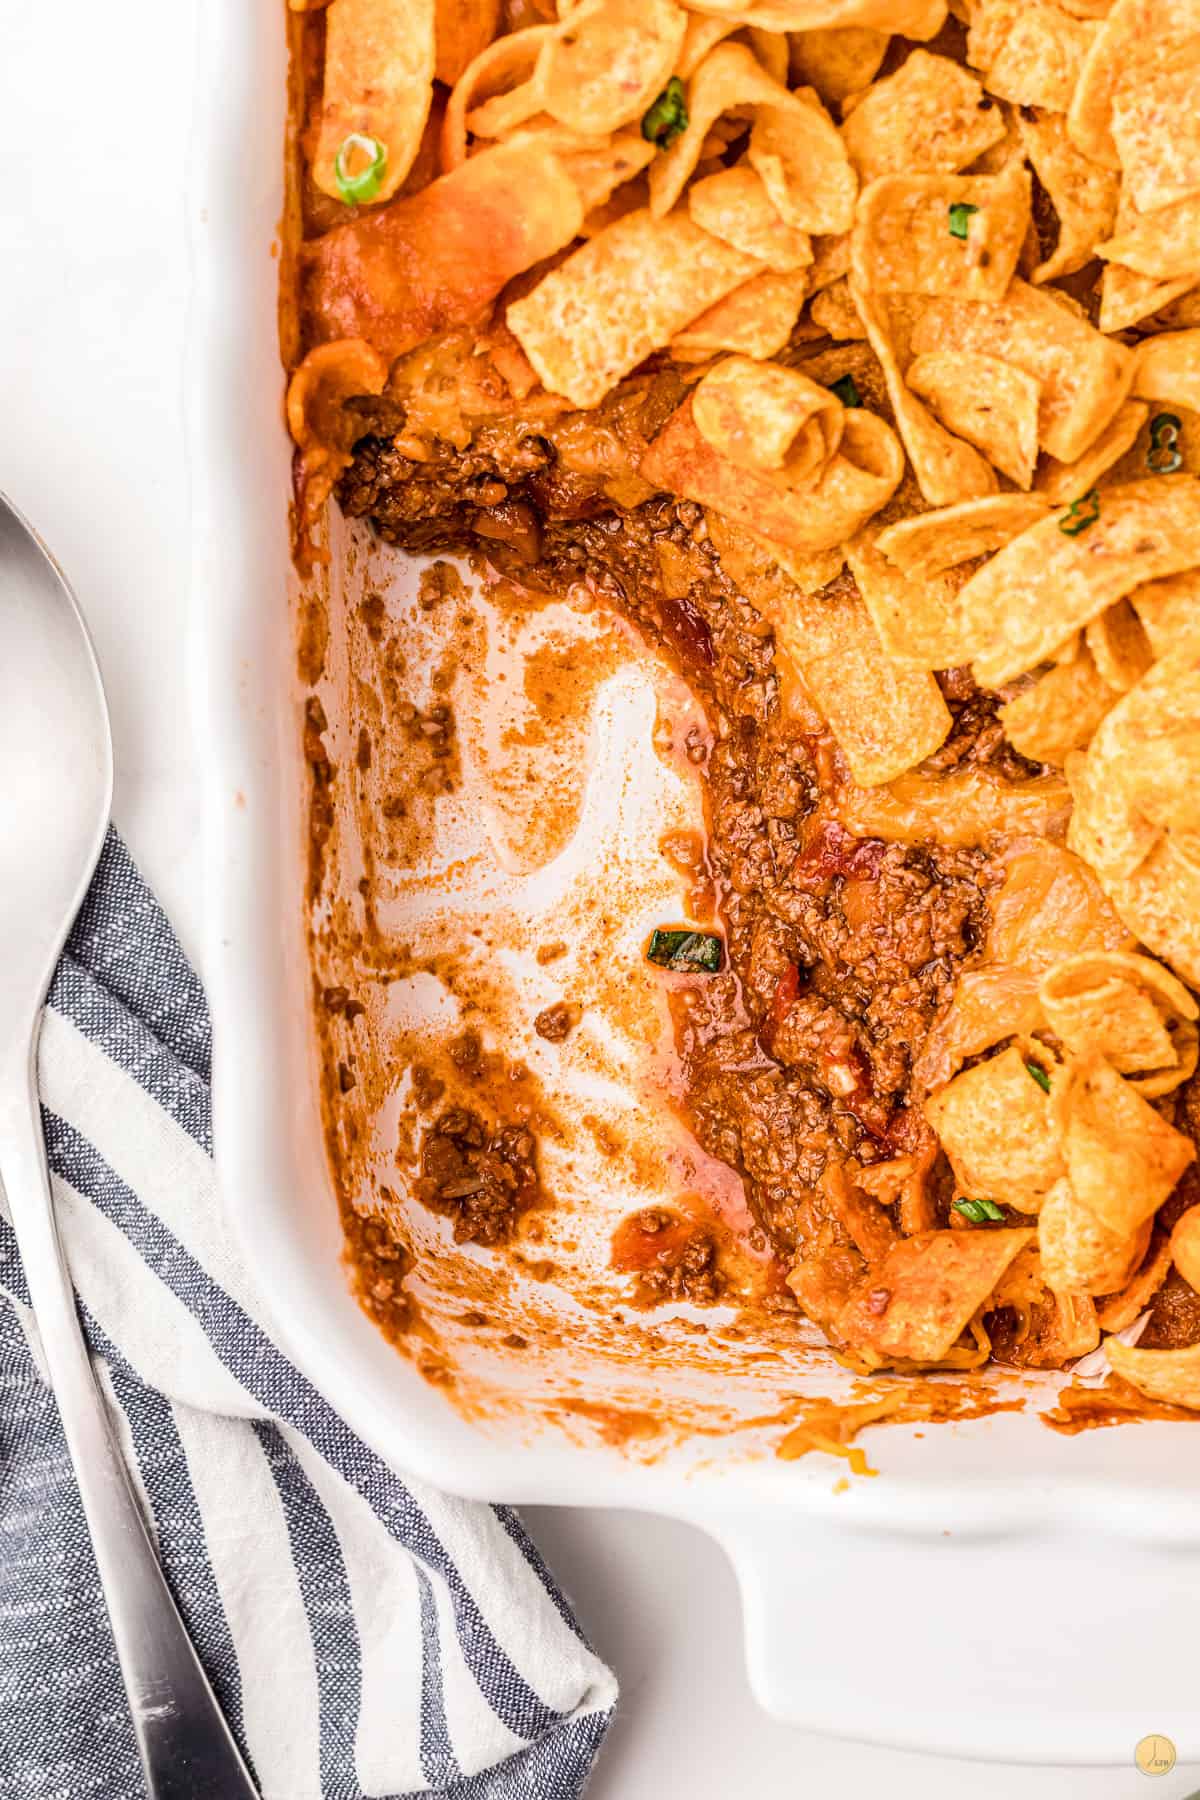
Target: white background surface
[{"x": 94, "y": 102}]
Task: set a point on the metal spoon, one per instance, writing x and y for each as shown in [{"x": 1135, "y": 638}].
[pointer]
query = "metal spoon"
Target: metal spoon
[{"x": 55, "y": 794}]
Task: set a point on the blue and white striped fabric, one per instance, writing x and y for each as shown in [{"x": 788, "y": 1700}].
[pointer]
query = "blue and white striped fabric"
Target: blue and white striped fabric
[{"x": 364, "y": 1634}]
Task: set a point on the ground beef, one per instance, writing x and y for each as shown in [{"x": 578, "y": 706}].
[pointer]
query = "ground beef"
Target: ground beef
[
  {"x": 672, "y": 1258},
  {"x": 429, "y": 505},
  {"x": 380, "y": 1263},
  {"x": 555, "y": 1023},
  {"x": 483, "y": 1178},
  {"x": 686, "y": 1272},
  {"x": 1174, "y": 1317}
]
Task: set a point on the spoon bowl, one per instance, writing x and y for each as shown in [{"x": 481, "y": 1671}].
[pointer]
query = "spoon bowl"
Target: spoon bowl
[{"x": 56, "y": 762}]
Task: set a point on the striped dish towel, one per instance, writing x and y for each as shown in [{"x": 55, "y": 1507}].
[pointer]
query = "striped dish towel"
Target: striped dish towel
[{"x": 364, "y": 1634}]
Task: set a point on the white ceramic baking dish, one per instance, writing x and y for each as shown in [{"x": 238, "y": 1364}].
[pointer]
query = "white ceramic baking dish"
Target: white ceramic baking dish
[{"x": 999, "y": 1590}]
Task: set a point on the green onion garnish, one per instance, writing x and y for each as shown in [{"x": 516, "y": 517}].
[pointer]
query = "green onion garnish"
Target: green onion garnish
[
  {"x": 361, "y": 184},
  {"x": 846, "y": 390},
  {"x": 1080, "y": 514},
  {"x": 980, "y": 1212},
  {"x": 960, "y": 218},
  {"x": 687, "y": 952},
  {"x": 1039, "y": 1075},
  {"x": 667, "y": 119},
  {"x": 1164, "y": 455}
]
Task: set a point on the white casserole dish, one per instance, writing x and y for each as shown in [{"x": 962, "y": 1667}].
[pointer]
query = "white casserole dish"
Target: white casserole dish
[{"x": 1000, "y": 1591}]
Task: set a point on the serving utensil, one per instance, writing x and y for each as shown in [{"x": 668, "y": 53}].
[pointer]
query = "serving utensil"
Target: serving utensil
[{"x": 55, "y": 795}]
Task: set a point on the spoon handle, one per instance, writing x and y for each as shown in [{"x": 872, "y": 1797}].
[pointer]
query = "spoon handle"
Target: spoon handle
[{"x": 186, "y": 1748}]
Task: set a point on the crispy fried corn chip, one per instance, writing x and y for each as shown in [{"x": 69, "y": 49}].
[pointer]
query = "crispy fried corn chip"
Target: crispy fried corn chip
[
  {"x": 803, "y": 164},
  {"x": 918, "y": 19},
  {"x": 947, "y": 469},
  {"x": 1172, "y": 1376},
  {"x": 378, "y": 85},
  {"x": 769, "y": 418},
  {"x": 1123, "y": 1158},
  {"x": 1080, "y": 1252},
  {"x": 1030, "y": 51},
  {"x": 1119, "y": 646},
  {"x": 756, "y": 319},
  {"x": 1128, "y": 1009},
  {"x": 608, "y": 60},
  {"x": 627, "y": 292},
  {"x": 920, "y": 1299},
  {"x": 1063, "y": 482},
  {"x": 702, "y": 35},
  {"x": 1137, "y": 784},
  {"x": 913, "y": 616},
  {"x": 834, "y": 311},
  {"x": 1084, "y": 377},
  {"x": 930, "y": 542},
  {"x": 1119, "y": 1309},
  {"x": 1167, "y": 368},
  {"x": 462, "y": 28},
  {"x": 1180, "y": 314},
  {"x": 940, "y": 234},
  {"x": 809, "y": 570},
  {"x": 1169, "y": 611},
  {"x": 831, "y": 260},
  {"x": 1104, "y": 826},
  {"x": 1050, "y": 906},
  {"x": 729, "y": 79},
  {"x": 859, "y": 480},
  {"x": 988, "y": 1006},
  {"x": 1059, "y": 713},
  {"x": 1162, "y": 248},
  {"x": 885, "y": 719},
  {"x": 323, "y": 431},
  {"x": 1137, "y": 42},
  {"x": 1156, "y": 129},
  {"x": 992, "y": 404},
  {"x": 838, "y": 62},
  {"x": 734, "y": 205},
  {"x": 503, "y": 114},
  {"x": 996, "y": 1125},
  {"x": 963, "y": 810},
  {"x": 438, "y": 258},
  {"x": 1083, "y": 193},
  {"x": 1127, "y": 298},
  {"x": 930, "y": 117},
  {"x": 500, "y": 71},
  {"x": 1160, "y": 901},
  {"x": 1185, "y": 1246},
  {"x": 1049, "y": 581}
]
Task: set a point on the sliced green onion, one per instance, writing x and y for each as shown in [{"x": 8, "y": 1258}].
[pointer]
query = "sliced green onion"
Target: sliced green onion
[
  {"x": 1080, "y": 514},
  {"x": 1164, "y": 455},
  {"x": 1039, "y": 1075},
  {"x": 960, "y": 218},
  {"x": 363, "y": 184},
  {"x": 687, "y": 952},
  {"x": 980, "y": 1212},
  {"x": 667, "y": 119},
  {"x": 846, "y": 389}
]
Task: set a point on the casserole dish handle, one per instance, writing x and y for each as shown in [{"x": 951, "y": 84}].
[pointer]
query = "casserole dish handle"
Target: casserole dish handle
[{"x": 1056, "y": 1647}]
